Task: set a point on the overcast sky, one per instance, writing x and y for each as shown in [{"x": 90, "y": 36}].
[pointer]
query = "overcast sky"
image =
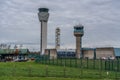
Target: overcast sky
[{"x": 19, "y": 22}]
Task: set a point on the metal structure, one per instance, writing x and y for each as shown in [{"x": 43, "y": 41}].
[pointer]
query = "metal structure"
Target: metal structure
[
  {"x": 78, "y": 33},
  {"x": 57, "y": 38},
  {"x": 43, "y": 18}
]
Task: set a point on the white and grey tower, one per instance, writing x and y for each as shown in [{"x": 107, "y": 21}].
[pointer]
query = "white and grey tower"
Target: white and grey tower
[{"x": 43, "y": 18}]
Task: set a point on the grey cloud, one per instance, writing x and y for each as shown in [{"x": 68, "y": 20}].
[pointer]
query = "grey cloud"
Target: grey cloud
[{"x": 19, "y": 21}]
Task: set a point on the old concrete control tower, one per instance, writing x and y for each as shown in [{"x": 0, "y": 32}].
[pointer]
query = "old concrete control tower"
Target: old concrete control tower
[
  {"x": 43, "y": 18},
  {"x": 78, "y": 33}
]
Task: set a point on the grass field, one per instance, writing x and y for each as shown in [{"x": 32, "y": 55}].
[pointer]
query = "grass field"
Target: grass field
[
  {"x": 35, "y": 71},
  {"x": 43, "y": 78}
]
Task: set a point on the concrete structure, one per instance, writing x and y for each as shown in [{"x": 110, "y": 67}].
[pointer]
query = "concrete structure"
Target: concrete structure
[
  {"x": 78, "y": 33},
  {"x": 57, "y": 38},
  {"x": 52, "y": 53},
  {"x": 43, "y": 18},
  {"x": 88, "y": 53},
  {"x": 105, "y": 52},
  {"x": 60, "y": 53}
]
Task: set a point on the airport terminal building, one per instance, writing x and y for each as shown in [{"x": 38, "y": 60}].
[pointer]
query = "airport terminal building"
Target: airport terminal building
[{"x": 90, "y": 53}]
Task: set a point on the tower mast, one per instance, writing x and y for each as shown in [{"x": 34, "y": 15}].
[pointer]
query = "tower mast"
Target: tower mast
[{"x": 57, "y": 38}]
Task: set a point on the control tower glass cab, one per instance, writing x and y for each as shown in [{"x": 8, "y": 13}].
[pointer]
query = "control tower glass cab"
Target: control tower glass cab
[
  {"x": 78, "y": 30},
  {"x": 43, "y": 18},
  {"x": 43, "y": 14},
  {"x": 78, "y": 33}
]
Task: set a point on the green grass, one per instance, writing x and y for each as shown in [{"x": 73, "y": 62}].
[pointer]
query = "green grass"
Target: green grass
[
  {"x": 43, "y": 78},
  {"x": 37, "y": 71}
]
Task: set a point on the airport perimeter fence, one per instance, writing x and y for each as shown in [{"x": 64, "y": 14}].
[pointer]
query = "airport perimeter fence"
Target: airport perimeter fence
[{"x": 109, "y": 65}]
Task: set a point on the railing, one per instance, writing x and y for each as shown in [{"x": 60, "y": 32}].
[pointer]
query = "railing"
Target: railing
[{"x": 109, "y": 65}]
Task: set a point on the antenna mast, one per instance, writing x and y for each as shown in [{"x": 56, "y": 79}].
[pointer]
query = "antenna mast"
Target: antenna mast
[{"x": 57, "y": 38}]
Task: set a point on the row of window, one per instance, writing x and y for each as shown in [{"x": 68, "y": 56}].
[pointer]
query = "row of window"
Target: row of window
[{"x": 66, "y": 54}]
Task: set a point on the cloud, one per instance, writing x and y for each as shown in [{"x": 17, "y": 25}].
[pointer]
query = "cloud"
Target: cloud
[{"x": 19, "y": 21}]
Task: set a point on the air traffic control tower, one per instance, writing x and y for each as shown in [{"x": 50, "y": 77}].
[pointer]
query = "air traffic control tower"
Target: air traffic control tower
[
  {"x": 78, "y": 33},
  {"x": 43, "y": 18}
]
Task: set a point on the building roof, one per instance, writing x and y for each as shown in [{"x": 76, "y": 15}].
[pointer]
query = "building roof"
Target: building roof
[
  {"x": 66, "y": 50},
  {"x": 88, "y": 48},
  {"x": 5, "y": 51},
  {"x": 73, "y": 50},
  {"x": 23, "y": 50}
]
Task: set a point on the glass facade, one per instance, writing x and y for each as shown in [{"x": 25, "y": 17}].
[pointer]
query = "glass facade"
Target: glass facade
[
  {"x": 43, "y": 9},
  {"x": 66, "y": 54},
  {"x": 78, "y": 29}
]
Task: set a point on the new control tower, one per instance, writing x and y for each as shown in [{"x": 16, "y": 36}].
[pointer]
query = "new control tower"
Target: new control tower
[
  {"x": 78, "y": 33},
  {"x": 43, "y": 18}
]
